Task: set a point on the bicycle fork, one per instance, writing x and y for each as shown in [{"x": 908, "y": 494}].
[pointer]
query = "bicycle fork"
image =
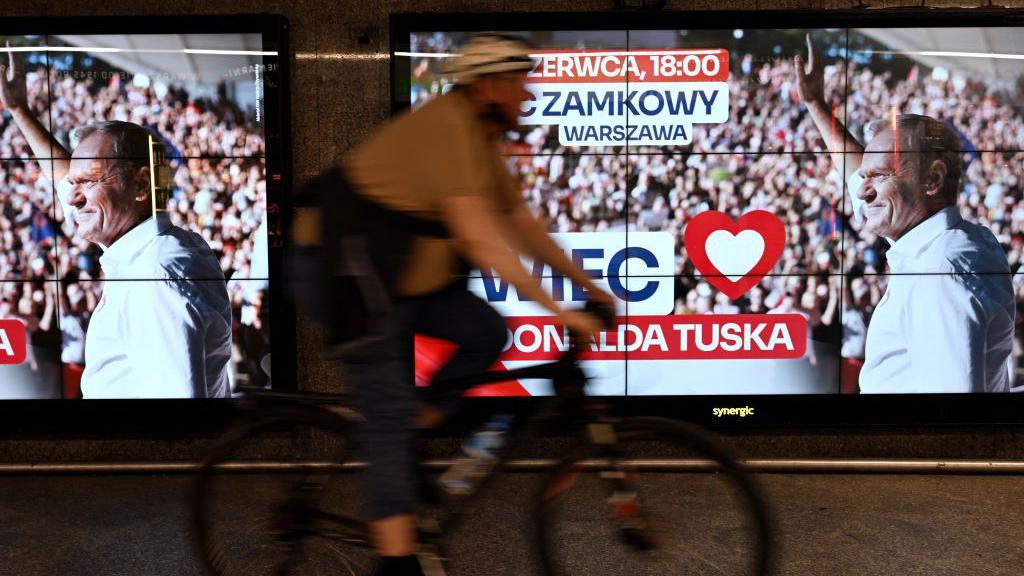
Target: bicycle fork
[{"x": 624, "y": 505}]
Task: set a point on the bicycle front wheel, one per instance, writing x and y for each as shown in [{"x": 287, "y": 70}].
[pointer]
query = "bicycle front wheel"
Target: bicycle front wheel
[
  {"x": 267, "y": 502},
  {"x": 610, "y": 509}
]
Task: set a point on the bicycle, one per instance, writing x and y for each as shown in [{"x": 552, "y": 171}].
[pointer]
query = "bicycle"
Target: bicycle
[{"x": 307, "y": 532}]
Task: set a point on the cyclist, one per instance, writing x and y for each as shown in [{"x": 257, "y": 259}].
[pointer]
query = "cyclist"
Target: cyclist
[{"x": 442, "y": 163}]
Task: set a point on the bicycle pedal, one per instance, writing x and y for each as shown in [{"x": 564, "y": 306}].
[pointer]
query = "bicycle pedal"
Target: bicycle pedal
[{"x": 637, "y": 539}]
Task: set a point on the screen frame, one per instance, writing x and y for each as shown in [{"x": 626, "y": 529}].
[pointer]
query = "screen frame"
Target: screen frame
[
  {"x": 773, "y": 411},
  {"x": 183, "y": 416}
]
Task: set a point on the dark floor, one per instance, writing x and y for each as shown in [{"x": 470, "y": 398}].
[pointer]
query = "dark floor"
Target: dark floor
[{"x": 827, "y": 525}]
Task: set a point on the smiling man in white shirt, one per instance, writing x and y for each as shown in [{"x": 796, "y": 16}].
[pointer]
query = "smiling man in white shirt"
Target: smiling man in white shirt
[
  {"x": 946, "y": 320},
  {"x": 162, "y": 328}
]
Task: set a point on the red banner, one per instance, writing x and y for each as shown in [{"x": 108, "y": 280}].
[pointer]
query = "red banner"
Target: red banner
[
  {"x": 610, "y": 65},
  {"x": 683, "y": 337},
  {"x": 433, "y": 353},
  {"x": 12, "y": 341}
]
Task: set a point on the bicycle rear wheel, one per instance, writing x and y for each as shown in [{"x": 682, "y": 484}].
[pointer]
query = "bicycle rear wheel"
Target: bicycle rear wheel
[
  {"x": 601, "y": 512},
  {"x": 267, "y": 502}
]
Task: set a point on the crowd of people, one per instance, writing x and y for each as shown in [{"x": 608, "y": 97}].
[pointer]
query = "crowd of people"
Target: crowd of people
[
  {"x": 766, "y": 156},
  {"x": 218, "y": 190},
  {"x": 769, "y": 156}
]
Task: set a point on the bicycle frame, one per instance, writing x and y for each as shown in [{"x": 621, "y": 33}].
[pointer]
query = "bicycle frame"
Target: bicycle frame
[{"x": 568, "y": 381}]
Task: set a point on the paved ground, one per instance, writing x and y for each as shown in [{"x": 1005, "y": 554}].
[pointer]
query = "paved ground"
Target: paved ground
[{"x": 827, "y": 525}]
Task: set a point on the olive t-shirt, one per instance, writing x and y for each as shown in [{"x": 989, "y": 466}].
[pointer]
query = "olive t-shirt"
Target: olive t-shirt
[{"x": 422, "y": 158}]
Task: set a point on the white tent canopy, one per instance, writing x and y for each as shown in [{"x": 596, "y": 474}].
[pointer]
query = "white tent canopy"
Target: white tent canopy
[
  {"x": 191, "y": 60},
  {"x": 992, "y": 54}
]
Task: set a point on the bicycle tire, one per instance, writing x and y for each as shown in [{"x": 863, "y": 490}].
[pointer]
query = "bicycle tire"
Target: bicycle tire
[
  {"x": 558, "y": 548},
  {"x": 233, "y": 539}
]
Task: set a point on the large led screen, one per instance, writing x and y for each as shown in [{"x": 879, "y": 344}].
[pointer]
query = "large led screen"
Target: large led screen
[
  {"x": 133, "y": 214},
  {"x": 855, "y": 233}
]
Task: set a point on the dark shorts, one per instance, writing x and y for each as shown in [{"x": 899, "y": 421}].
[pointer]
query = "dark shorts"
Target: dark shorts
[{"x": 383, "y": 377}]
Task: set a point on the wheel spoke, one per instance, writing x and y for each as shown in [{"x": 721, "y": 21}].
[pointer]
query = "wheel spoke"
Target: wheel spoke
[
  {"x": 279, "y": 524},
  {"x": 623, "y": 521}
]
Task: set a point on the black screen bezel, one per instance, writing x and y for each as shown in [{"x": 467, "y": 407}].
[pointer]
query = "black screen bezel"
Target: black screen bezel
[
  {"x": 789, "y": 411},
  {"x": 198, "y": 417}
]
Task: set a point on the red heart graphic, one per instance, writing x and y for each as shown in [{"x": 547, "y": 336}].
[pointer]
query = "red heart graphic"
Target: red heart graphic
[{"x": 762, "y": 222}]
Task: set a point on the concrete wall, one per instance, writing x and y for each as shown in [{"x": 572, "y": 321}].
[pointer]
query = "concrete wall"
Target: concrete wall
[{"x": 340, "y": 91}]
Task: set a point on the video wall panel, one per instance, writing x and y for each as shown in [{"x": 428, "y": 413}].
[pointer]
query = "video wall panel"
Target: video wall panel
[
  {"x": 761, "y": 179},
  {"x": 134, "y": 213}
]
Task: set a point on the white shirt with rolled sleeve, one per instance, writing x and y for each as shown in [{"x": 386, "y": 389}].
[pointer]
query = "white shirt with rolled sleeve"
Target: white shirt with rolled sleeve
[
  {"x": 946, "y": 320},
  {"x": 162, "y": 328}
]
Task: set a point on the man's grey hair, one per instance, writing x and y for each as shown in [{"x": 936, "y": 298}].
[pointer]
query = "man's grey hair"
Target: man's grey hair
[
  {"x": 920, "y": 141},
  {"x": 130, "y": 142}
]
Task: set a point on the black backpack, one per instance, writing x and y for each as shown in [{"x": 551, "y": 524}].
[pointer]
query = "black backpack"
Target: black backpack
[{"x": 348, "y": 284}]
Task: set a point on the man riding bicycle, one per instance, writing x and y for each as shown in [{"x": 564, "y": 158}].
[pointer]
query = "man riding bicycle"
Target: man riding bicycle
[{"x": 441, "y": 164}]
